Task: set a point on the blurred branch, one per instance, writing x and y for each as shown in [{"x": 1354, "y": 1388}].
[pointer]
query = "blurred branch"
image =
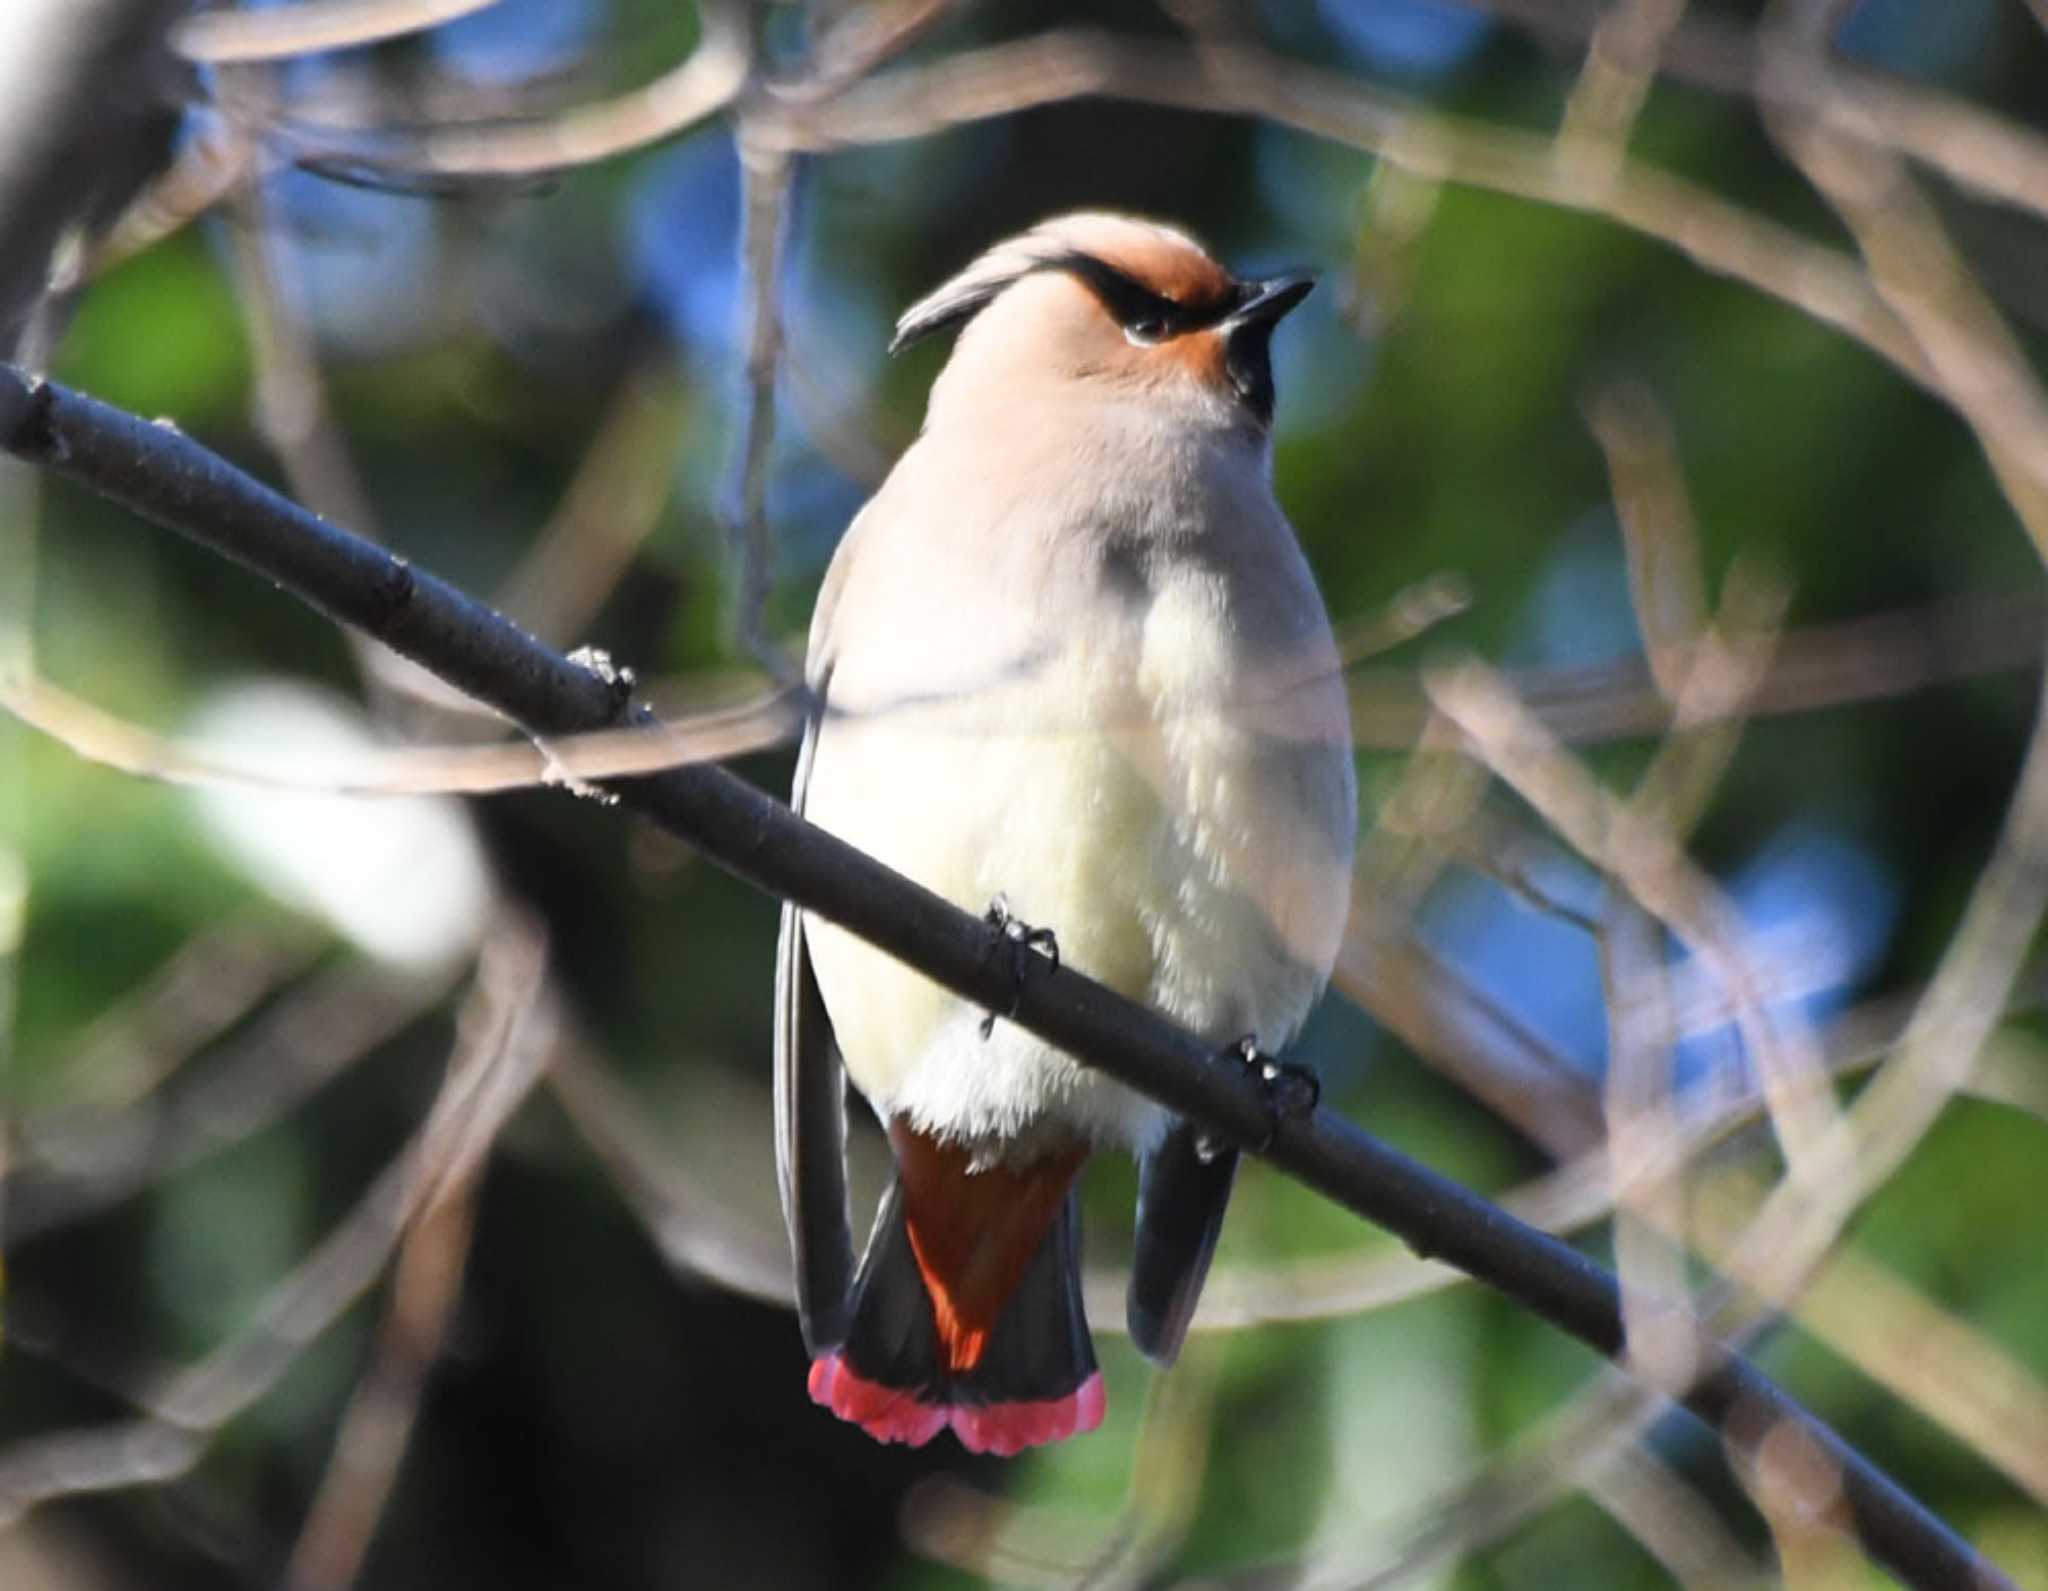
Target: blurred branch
[
  {"x": 1019, "y": 1544},
  {"x": 1598, "y": 1430},
  {"x": 1826, "y": 665},
  {"x": 766, "y": 179},
  {"x": 379, "y": 1420},
  {"x": 1626, "y": 841},
  {"x": 1577, "y": 1194},
  {"x": 865, "y": 36},
  {"x": 1975, "y": 148},
  {"x": 1941, "y": 1045},
  {"x": 1473, "y": 1039},
  {"x": 450, "y": 769},
  {"x": 1958, "y": 1387},
  {"x": 72, "y": 1164},
  {"x": 1234, "y": 79},
  {"x": 1921, "y": 1353},
  {"x": 1976, "y": 364},
  {"x": 172, "y": 480},
  {"x": 610, "y": 509},
  {"x": 207, "y": 985},
  {"x": 202, "y": 173},
  {"x": 834, "y": 108},
  {"x": 305, "y": 27},
  {"x": 705, "y": 83},
  {"x": 1620, "y": 66},
  {"x": 1836, "y": 1158},
  {"x": 506, "y": 1032},
  {"x": 1676, "y": 1526},
  {"x": 691, "y": 1230},
  {"x": 1974, "y": 361},
  {"x": 289, "y": 405},
  {"x": 1860, "y": 660}
]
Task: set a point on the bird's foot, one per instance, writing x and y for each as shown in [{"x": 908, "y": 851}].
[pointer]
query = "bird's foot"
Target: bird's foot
[
  {"x": 1292, "y": 1090},
  {"x": 1016, "y": 939}
]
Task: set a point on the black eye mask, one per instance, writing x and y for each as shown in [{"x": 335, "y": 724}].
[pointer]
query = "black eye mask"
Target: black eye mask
[
  {"x": 1242, "y": 314},
  {"x": 1148, "y": 317},
  {"x": 1144, "y": 315}
]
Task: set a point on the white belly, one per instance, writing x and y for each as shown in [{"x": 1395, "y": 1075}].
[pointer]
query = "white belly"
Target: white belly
[{"x": 1115, "y": 795}]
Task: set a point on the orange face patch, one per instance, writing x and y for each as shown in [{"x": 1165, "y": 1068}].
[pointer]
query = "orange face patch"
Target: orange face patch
[
  {"x": 1172, "y": 270},
  {"x": 1201, "y": 354},
  {"x": 974, "y": 1232}
]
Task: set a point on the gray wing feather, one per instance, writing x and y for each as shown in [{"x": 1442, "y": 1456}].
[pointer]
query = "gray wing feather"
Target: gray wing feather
[
  {"x": 1183, "y": 1190},
  {"x": 810, "y": 1121}
]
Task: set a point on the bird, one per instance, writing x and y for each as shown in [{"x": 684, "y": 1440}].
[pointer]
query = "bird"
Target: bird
[{"x": 1068, "y": 666}]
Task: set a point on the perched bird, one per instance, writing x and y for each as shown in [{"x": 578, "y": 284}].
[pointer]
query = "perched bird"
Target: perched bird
[{"x": 1068, "y": 665}]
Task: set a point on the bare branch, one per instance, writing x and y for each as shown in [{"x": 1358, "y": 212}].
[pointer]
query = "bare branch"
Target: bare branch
[
  {"x": 495, "y": 1064},
  {"x": 701, "y": 86},
  {"x": 1240, "y": 80},
  {"x": 1621, "y": 64},
  {"x": 1975, "y": 148},
  {"x": 451, "y": 769},
  {"x": 765, "y": 199},
  {"x": 1831, "y": 665},
  {"x": 610, "y": 509},
  {"x": 72, "y": 1165},
  {"x": 308, "y": 26}
]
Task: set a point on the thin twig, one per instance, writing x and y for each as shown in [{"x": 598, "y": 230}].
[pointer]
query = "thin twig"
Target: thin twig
[
  {"x": 306, "y": 27},
  {"x": 1832, "y": 665},
  {"x": 487, "y": 1078},
  {"x": 289, "y": 401},
  {"x": 604, "y": 518},
  {"x": 702, "y": 85},
  {"x": 692, "y": 1231},
  {"x": 1019, "y": 1544},
  {"x": 1620, "y": 65},
  {"x": 202, "y": 173},
  {"x": 1003, "y": 79},
  {"x": 1627, "y": 841},
  {"x": 443, "y": 769},
  {"x": 1675, "y": 1524},
  {"x": 1976, "y": 148},
  {"x": 201, "y": 990},
  {"x": 377, "y": 1426},
  {"x": 73, "y": 1166},
  {"x": 766, "y": 180}
]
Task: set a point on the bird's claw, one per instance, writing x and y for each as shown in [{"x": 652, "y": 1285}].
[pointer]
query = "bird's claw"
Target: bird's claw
[
  {"x": 1017, "y": 939},
  {"x": 1292, "y": 1090}
]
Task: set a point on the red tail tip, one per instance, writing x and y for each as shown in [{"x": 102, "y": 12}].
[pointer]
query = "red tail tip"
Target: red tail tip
[
  {"x": 1006, "y": 1428},
  {"x": 886, "y": 1414},
  {"x": 891, "y": 1415}
]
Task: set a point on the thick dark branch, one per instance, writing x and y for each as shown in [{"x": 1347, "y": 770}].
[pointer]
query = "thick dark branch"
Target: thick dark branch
[{"x": 170, "y": 479}]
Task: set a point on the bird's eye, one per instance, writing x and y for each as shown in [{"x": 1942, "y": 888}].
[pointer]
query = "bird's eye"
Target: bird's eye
[{"x": 1146, "y": 330}]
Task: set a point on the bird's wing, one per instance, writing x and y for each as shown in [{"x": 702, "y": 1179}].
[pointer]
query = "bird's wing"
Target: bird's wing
[
  {"x": 810, "y": 1117},
  {"x": 1183, "y": 1190}
]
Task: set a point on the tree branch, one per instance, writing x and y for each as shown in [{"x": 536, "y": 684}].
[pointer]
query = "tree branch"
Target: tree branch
[{"x": 173, "y": 481}]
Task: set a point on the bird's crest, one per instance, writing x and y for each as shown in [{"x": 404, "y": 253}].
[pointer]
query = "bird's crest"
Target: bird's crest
[{"x": 1163, "y": 257}]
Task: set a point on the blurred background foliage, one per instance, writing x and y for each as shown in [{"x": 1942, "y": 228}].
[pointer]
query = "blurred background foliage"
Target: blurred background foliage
[{"x": 231, "y": 1009}]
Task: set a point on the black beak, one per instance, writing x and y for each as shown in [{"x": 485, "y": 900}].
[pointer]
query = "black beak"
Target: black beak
[
  {"x": 1265, "y": 302},
  {"x": 1248, "y": 334}
]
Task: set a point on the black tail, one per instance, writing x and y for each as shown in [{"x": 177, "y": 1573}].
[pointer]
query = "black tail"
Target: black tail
[{"x": 1035, "y": 1380}]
